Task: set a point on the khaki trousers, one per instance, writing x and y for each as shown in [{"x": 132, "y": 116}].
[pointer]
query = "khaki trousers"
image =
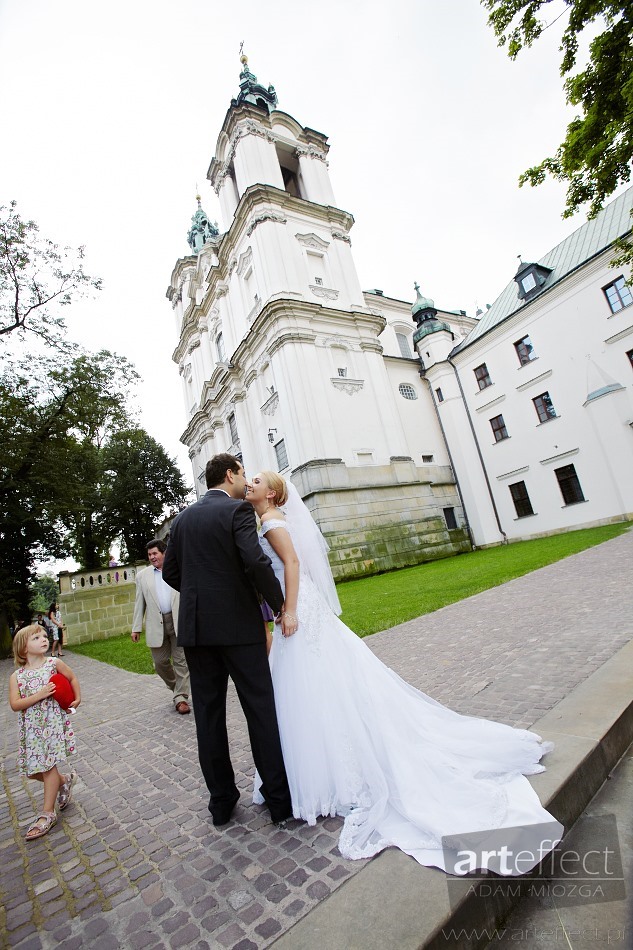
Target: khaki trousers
[{"x": 170, "y": 663}]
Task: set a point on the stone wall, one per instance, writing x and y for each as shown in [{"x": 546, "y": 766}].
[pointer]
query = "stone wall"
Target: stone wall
[
  {"x": 97, "y": 613},
  {"x": 381, "y": 517}
]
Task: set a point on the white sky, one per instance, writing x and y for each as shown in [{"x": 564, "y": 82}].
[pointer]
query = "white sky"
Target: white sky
[{"x": 111, "y": 113}]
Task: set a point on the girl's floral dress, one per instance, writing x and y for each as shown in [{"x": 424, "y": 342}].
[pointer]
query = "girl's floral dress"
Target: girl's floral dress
[{"x": 46, "y": 734}]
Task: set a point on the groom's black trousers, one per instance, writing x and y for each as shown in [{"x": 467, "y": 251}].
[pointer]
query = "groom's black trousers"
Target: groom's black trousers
[{"x": 247, "y": 665}]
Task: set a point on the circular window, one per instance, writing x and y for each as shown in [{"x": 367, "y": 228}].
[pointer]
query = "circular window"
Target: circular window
[{"x": 407, "y": 391}]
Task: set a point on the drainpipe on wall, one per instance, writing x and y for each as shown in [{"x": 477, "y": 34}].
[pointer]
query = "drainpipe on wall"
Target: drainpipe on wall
[
  {"x": 481, "y": 458},
  {"x": 450, "y": 457}
]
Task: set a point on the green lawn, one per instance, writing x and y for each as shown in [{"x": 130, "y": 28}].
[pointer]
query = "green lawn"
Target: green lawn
[
  {"x": 375, "y": 603},
  {"x": 118, "y": 651}
]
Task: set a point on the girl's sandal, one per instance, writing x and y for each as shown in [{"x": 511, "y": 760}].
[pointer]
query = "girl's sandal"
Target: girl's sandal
[
  {"x": 65, "y": 793},
  {"x": 41, "y": 826}
]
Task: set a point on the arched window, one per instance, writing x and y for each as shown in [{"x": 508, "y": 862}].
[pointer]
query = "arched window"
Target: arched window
[
  {"x": 219, "y": 345},
  {"x": 405, "y": 347}
]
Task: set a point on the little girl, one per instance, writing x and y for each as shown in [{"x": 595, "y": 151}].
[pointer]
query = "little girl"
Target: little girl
[{"x": 46, "y": 735}]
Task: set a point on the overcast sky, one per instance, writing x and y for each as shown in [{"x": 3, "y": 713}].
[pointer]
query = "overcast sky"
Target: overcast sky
[{"x": 111, "y": 114}]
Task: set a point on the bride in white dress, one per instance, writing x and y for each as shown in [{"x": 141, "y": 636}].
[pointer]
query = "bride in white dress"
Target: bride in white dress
[{"x": 360, "y": 742}]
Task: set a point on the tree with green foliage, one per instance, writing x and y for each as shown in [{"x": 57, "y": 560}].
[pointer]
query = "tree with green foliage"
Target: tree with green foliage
[
  {"x": 47, "y": 413},
  {"x": 595, "y": 157},
  {"x": 44, "y": 590},
  {"x": 144, "y": 485},
  {"x": 37, "y": 278}
]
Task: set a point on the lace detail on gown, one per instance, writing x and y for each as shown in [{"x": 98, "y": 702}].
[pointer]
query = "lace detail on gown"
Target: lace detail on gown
[{"x": 361, "y": 743}]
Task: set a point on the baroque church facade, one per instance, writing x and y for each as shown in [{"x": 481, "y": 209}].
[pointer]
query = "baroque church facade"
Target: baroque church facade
[{"x": 357, "y": 397}]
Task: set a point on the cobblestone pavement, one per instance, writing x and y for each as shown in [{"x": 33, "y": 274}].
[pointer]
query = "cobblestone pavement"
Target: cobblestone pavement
[{"x": 135, "y": 861}]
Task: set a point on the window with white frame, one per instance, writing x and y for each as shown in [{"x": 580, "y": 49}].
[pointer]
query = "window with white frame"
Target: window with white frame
[{"x": 618, "y": 295}]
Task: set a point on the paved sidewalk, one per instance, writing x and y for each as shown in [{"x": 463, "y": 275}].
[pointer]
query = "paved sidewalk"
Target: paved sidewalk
[{"x": 135, "y": 861}]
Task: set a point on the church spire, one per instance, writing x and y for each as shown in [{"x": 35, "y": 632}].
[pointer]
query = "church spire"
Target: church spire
[
  {"x": 251, "y": 91},
  {"x": 201, "y": 230}
]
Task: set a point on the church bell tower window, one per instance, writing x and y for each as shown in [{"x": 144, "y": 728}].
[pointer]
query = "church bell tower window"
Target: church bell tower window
[{"x": 289, "y": 165}]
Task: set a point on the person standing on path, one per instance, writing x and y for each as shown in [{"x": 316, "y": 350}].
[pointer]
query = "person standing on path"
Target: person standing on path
[
  {"x": 46, "y": 735},
  {"x": 215, "y": 560},
  {"x": 159, "y": 603},
  {"x": 57, "y": 627}
]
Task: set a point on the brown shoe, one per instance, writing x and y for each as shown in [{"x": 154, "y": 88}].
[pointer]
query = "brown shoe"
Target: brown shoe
[{"x": 183, "y": 708}]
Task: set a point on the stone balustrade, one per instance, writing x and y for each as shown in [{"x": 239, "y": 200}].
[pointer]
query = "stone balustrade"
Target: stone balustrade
[
  {"x": 104, "y": 577},
  {"x": 98, "y": 604}
]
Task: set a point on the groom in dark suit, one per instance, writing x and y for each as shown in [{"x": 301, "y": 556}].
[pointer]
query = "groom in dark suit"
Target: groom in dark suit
[{"x": 215, "y": 560}]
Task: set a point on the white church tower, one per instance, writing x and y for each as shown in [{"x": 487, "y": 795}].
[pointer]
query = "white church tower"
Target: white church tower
[{"x": 287, "y": 363}]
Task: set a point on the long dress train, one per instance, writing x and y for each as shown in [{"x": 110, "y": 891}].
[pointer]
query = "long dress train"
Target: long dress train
[{"x": 402, "y": 769}]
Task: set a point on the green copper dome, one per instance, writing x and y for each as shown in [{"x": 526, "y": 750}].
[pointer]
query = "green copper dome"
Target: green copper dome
[
  {"x": 421, "y": 303},
  {"x": 432, "y": 325},
  {"x": 252, "y": 91},
  {"x": 201, "y": 230}
]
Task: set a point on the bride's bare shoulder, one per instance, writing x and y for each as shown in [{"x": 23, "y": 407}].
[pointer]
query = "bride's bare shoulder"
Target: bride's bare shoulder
[{"x": 275, "y": 516}]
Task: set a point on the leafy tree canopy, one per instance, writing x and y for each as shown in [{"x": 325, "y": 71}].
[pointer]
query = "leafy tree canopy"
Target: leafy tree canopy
[
  {"x": 47, "y": 412},
  {"x": 595, "y": 156},
  {"x": 37, "y": 278},
  {"x": 144, "y": 485},
  {"x": 44, "y": 591}
]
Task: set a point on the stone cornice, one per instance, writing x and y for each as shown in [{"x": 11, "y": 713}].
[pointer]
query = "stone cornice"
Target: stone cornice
[
  {"x": 247, "y": 119},
  {"x": 259, "y": 203}
]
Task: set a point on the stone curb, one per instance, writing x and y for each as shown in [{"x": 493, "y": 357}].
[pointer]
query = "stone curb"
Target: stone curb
[{"x": 394, "y": 902}]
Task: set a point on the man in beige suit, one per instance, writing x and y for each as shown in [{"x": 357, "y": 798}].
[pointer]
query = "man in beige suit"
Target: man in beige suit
[{"x": 159, "y": 603}]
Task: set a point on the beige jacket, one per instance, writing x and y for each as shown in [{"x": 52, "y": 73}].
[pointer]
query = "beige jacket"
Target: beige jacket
[{"x": 146, "y": 603}]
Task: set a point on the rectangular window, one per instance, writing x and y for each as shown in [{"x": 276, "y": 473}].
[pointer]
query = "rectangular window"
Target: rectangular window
[
  {"x": 403, "y": 343},
  {"x": 282, "y": 455},
  {"x": 427, "y": 459},
  {"x": 544, "y": 407},
  {"x": 618, "y": 295},
  {"x": 235, "y": 439},
  {"x": 438, "y": 393},
  {"x": 342, "y": 371},
  {"x": 449, "y": 518},
  {"x": 525, "y": 350},
  {"x": 482, "y": 376},
  {"x": 521, "y": 499},
  {"x": 569, "y": 485},
  {"x": 499, "y": 428},
  {"x": 630, "y": 356}
]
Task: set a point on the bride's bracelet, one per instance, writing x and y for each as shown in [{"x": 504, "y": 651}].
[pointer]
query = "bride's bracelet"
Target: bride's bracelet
[{"x": 289, "y": 617}]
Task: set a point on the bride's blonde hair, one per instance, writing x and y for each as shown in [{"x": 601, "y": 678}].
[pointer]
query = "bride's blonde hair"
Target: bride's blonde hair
[{"x": 277, "y": 484}]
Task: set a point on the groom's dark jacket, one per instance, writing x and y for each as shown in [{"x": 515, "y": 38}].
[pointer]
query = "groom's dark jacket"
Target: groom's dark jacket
[{"x": 215, "y": 560}]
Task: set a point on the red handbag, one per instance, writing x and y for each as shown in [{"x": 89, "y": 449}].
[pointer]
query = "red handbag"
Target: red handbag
[{"x": 64, "y": 692}]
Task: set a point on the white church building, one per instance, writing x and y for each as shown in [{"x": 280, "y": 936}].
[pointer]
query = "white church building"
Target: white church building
[{"x": 286, "y": 362}]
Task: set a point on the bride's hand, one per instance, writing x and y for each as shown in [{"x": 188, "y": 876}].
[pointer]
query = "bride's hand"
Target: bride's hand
[{"x": 289, "y": 624}]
